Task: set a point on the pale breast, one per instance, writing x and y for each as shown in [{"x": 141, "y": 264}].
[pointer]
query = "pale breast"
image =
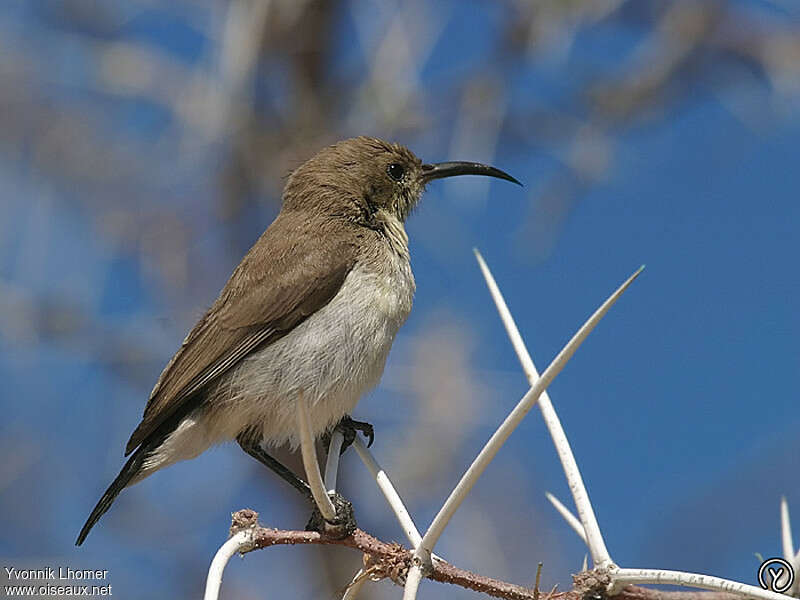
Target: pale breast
[{"x": 332, "y": 358}]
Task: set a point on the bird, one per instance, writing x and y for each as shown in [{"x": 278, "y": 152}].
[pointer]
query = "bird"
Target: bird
[{"x": 313, "y": 308}]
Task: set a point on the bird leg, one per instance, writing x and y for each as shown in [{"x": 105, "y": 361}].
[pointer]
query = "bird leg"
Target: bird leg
[
  {"x": 348, "y": 428},
  {"x": 255, "y": 450},
  {"x": 342, "y": 525}
]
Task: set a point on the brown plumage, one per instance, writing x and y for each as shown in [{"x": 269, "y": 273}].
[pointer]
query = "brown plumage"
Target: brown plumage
[
  {"x": 312, "y": 308},
  {"x": 275, "y": 287}
]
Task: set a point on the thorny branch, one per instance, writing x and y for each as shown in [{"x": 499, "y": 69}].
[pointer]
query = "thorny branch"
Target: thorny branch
[
  {"x": 384, "y": 560},
  {"x": 390, "y": 560}
]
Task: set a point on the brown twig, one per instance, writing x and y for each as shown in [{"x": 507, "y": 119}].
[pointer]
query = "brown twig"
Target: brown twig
[
  {"x": 391, "y": 561},
  {"x": 386, "y": 560}
]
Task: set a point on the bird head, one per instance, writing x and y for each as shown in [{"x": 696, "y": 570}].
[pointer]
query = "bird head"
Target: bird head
[{"x": 362, "y": 177}]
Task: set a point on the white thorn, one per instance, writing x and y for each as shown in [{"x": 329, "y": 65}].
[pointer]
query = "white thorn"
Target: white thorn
[
  {"x": 332, "y": 462},
  {"x": 214, "y": 580},
  {"x": 597, "y": 547},
  {"x": 571, "y": 519},
  {"x": 490, "y": 449},
  {"x": 390, "y": 493},
  {"x": 310, "y": 462},
  {"x": 622, "y": 577},
  {"x": 412, "y": 582},
  {"x": 786, "y": 531}
]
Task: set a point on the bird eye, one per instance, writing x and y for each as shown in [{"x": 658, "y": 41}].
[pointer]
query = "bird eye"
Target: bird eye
[{"x": 396, "y": 171}]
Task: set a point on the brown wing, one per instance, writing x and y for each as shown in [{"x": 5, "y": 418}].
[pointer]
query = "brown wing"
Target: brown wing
[{"x": 285, "y": 277}]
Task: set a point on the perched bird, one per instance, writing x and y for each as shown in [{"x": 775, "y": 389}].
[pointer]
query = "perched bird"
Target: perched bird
[{"x": 312, "y": 309}]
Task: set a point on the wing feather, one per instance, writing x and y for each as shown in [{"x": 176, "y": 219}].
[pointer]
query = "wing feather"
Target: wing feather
[{"x": 284, "y": 278}]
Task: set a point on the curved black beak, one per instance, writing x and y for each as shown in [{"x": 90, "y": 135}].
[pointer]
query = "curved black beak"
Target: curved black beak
[{"x": 451, "y": 169}]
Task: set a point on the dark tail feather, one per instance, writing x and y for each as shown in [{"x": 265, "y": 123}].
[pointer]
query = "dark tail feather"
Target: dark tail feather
[{"x": 127, "y": 473}]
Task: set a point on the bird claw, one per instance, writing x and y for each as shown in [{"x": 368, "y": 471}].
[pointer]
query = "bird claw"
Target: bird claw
[
  {"x": 341, "y": 526},
  {"x": 348, "y": 428}
]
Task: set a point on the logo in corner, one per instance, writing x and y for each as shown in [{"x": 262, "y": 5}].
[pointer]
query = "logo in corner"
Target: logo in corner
[{"x": 776, "y": 574}]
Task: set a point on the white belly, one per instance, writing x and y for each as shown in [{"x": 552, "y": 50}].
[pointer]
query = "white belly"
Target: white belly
[{"x": 334, "y": 357}]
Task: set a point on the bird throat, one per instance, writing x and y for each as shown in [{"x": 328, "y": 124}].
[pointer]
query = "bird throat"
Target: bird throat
[{"x": 395, "y": 233}]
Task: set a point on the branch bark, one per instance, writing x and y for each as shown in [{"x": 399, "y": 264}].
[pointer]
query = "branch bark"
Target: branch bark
[{"x": 390, "y": 560}]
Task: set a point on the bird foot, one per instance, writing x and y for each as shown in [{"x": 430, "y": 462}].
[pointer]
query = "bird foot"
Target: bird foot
[
  {"x": 341, "y": 526},
  {"x": 348, "y": 428}
]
